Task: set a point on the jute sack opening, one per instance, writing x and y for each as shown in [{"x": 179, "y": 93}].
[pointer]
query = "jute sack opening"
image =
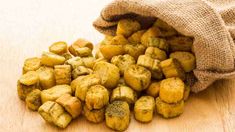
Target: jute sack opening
[{"x": 211, "y": 23}]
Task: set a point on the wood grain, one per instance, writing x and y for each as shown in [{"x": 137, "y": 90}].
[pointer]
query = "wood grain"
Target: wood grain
[{"x": 28, "y": 27}]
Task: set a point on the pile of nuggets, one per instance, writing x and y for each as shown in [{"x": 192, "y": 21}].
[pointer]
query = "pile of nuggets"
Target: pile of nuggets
[{"x": 139, "y": 70}]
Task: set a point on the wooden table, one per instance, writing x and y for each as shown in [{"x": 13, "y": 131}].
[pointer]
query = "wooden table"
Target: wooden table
[{"x": 28, "y": 27}]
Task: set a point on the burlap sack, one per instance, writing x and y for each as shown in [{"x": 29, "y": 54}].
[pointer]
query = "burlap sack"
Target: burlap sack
[{"x": 211, "y": 23}]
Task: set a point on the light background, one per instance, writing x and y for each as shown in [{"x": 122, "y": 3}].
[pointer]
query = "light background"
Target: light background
[{"x": 28, "y": 27}]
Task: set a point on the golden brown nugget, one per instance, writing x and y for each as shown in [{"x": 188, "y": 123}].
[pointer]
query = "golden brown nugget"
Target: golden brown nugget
[
  {"x": 55, "y": 92},
  {"x": 31, "y": 64},
  {"x": 108, "y": 50},
  {"x": 24, "y": 90},
  {"x": 33, "y": 99},
  {"x": 137, "y": 77},
  {"x": 83, "y": 43},
  {"x": 88, "y": 61},
  {"x": 123, "y": 62},
  {"x": 94, "y": 116},
  {"x": 108, "y": 73},
  {"x": 126, "y": 27},
  {"x": 46, "y": 77},
  {"x": 83, "y": 83},
  {"x": 172, "y": 68},
  {"x": 124, "y": 93},
  {"x": 71, "y": 104},
  {"x": 135, "y": 38},
  {"x": 151, "y": 64},
  {"x": 67, "y": 56},
  {"x": 74, "y": 83},
  {"x": 83, "y": 52},
  {"x": 117, "y": 115},
  {"x": 158, "y": 43},
  {"x": 98, "y": 54},
  {"x": 169, "y": 110},
  {"x": 156, "y": 53},
  {"x": 186, "y": 59},
  {"x": 29, "y": 78},
  {"x": 151, "y": 32},
  {"x": 51, "y": 59},
  {"x": 97, "y": 97},
  {"x": 162, "y": 25},
  {"x": 134, "y": 50},
  {"x": 180, "y": 43},
  {"x": 62, "y": 74},
  {"x": 81, "y": 70},
  {"x": 58, "y": 48},
  {"x": 75, "y": 62},
  {"x": 171, "y": 90},
  {"x": 186, "y": 92},
  {"x": 144, "y": 109},
  {"x": 153, "y": 89},
  {"x": 118, "y": 40},
  {"x": 54, "y": 113}
]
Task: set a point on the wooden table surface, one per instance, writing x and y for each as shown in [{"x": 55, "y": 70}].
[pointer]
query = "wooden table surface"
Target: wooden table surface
[{"x": 28, "y": 27}]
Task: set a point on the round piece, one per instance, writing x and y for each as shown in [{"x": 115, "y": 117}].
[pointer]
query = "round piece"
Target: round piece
[
  {"x": 29, "y": 78},
  {"x": 123, "y": 62},
  {"x": 108, "y": 50},
  {"x": 169, "y": 110},
  {"x": 134, "y": 50},
  {"x": 124, "y": 93},
  {"x": 108, "y": 73},
  {"x": 153, "y": 89},
  {"x": 171, "y": 90},
  {"x": 126, "y": 27},
  {"x": 31, "y": 64},
  {"x": 97, "y": 97},
  {"x": 95, "y": 116},
  {"x": 58, "y": 48},
  {"x": 144, "y": 109},
  {"x": 186, "y": 59},
  {"x": 117, "y": 115},
  {"x": 137, "y": 77}
]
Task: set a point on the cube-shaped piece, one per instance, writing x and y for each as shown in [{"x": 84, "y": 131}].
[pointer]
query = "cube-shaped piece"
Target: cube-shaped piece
[
  {"x": 97, "y": 97},
  {"x": 158, "y": 43},
  {"x": 152, "y": 64},
  {"x": 55, "y": 92},
  {"x": 51, "y": 59},
  {"x": 117, "y": 115},
  {"x": 54, "y": 113},
  {"x": 151, "y": 32},
  {"x": 75, "y": 62},
  {"x": 58, "y": 48},
  {"x": 135, "y": 38},
  {"x": 81, "y": 70},
  {"x": 83, "y": 83},
  {"x": 94, "y": 116},
  {"x": 81, "y": 47},
  {"x": 46, "y": 77},
  {"x": 24, "y": 90},
  {"x": 126, "y": 27},
  {"x": 180, "y": 43},
  {"x": 108, "y": 50},
  {"x": 144, "y": 109},
  {"x": 31, "y": 64},
  {"x": 156, "y": 53},
  {"x": 171, "y": 90},
  {"x": 109, "y": 74},
  {"x": 124, "y": 93},
  {"x": 169, "y": 110},
  {"x": 33, "y": 99},
  {"x": 71, "y": 104},
  {"x": 29, "y": 78},
  {"x": 88, "y": 61},
  {"x": 63, "y": 74},
  {"x": 186, "y": 59},
  {"x": 134, "y": 50},
  {"x": 118, "y": 40},
  {"x": 137, "y": 77},
  {"x": 172, "y": 68},
  {"x": 123, "y": 62},
  {"x": 153, "y": 89}
]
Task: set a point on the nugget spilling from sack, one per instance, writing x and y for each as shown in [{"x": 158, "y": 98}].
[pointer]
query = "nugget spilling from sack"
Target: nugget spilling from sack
[{"x": 139, "y": 70}]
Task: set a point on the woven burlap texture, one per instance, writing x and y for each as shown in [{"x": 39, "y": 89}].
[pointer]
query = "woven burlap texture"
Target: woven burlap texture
[{"x": 211, "y": 23}]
